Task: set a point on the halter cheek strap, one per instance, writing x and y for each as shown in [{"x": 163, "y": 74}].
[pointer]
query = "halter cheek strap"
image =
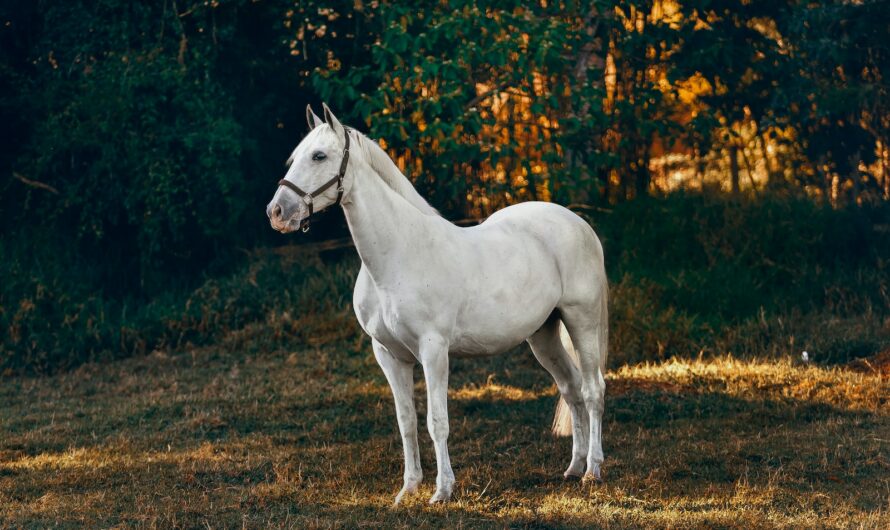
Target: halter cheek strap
[{"x": 309, "y": 196}]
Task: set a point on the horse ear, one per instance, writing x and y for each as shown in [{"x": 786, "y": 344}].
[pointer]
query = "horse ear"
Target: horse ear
[
  {"x": 332, "y": 120},
  {"x": 313, "y": 120}
]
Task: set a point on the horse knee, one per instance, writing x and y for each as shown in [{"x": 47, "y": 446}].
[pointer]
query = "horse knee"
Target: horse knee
[
  {"x": 594, "y": 398},
  {"x": 438, "y": 427},
  {"x": 407, "y": 418},
  {"x": 571, "y": 394}
]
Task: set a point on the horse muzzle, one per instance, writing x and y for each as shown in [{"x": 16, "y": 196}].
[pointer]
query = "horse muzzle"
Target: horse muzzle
[{"x": 286, "y": 218}]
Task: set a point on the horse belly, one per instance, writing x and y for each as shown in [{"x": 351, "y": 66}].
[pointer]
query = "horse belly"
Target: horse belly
[
  {"x": 507, "y": 310},
  {"x": 497, "y": 334}
]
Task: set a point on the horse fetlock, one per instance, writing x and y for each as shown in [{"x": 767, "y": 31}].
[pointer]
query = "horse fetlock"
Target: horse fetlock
[
  {"x": 445, "y": 480},
  {"x": 401, "y": 495},
  {"x": 596, "y": 454},
  {"x": 412, "y": 482}
]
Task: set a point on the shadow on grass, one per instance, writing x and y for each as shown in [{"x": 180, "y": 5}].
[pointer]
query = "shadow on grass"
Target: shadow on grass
[
  {"x": 668, "y": 447},
  {"x": 244, "y": 441}
]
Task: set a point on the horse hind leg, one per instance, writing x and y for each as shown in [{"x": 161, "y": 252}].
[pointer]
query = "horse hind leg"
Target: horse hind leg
[
  {"x": 588, "y": 327},
  {"x": 434, "y": 359},
  {"x": 550, "y": 352}
]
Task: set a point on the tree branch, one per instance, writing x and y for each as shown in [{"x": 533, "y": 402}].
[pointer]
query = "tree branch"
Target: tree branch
[
  {"x": 485, "y": 95},
  {"x": 34, "y": 183}
]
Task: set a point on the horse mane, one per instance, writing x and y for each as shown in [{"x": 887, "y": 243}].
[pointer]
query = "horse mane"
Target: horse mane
[{"x": 389, "y": 173}]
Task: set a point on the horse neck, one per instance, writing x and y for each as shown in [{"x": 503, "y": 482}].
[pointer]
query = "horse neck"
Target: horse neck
[{"x": 384, "y": 225}]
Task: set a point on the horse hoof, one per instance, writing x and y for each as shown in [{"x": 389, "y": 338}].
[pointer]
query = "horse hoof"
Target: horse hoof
[
  {"x": 399, "y": 498},
  {"x": 593, "y": 476},
  {"x": 571, "y": 476},
  {"x": 440, "y": 496},
  {"x": 407, "y": 489}
]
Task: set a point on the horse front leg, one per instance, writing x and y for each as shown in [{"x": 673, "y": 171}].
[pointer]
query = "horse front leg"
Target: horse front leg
[
  {"x": 400, "y": 375},
  {"x": 434, "y": 358}
]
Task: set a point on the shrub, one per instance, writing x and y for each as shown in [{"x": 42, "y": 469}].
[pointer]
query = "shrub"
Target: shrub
[
  {"x": 690, "y": 275},
  {"x": 54, "y": 318}
]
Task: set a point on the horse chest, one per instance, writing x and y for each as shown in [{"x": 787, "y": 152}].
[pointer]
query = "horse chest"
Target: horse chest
[
  {"x": 375, "y": 318},
  {"x": 385, "y": 316}
]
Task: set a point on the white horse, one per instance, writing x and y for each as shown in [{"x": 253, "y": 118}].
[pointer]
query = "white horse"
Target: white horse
[{"x": 428, "y": 289}]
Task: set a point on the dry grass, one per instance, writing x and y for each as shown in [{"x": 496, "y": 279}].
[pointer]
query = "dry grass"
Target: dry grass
[{"x": 308, "y": 438}]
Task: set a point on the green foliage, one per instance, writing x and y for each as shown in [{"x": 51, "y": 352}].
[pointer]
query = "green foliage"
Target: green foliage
[
  {"x": 151, "y": 122},
  {"x": 53, "y": 317},
  {"x": 727, "y": 259},
  {"x": 840, "y": 100},
  {"x": 145, "y": 160},
  {"x": 689, "y": 274},
  {"x": 816, "y": 69},
  {"x": 148, "y": 136},
  {"x": 461, "y": 89},
  {"x": 703, "y": 273},
  {"x": 164, "y": 125}
]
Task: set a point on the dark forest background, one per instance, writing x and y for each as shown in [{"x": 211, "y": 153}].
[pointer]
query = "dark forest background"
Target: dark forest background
[{"x": 732, "y": 154}]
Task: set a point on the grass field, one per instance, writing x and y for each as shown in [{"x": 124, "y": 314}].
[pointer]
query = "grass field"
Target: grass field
[{"x": 307, "y": 437}]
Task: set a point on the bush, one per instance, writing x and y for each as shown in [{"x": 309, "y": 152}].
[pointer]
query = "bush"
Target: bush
[
  {"x": 162, "y": 127},
  {"x": 54, "y": 316},
  {"x": 725, "y": 259},
  {"x": 146, "y": 161},
  {"x": 690, "y": 275},
  {"x": 766, "y": 276}
]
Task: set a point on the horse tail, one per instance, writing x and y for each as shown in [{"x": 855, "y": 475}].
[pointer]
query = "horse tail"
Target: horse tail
[{"x": 562, "y": 421}]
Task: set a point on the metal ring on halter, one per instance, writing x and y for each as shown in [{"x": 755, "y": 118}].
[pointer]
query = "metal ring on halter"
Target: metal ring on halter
[{"x": 304, "y": 222}]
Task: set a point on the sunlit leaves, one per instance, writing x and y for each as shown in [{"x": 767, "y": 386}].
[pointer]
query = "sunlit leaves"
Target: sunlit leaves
[{"x": 469, "y": 98}]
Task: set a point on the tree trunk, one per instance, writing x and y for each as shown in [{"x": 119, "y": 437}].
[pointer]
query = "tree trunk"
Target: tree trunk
[
  {"x": 700, "y": 167},
  {"x": 854, "y": 178},
  {"x": 591, "y": 54},
  {"x": 643, "y": 178},
  {"x": 734, "y": 169},
  {"x": 770, "y": 175}
]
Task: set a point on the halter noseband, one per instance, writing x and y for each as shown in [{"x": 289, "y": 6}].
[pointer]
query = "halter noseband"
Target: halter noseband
[{"x": 338, "y": 180}]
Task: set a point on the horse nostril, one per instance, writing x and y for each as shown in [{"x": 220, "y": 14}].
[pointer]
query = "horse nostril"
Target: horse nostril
[{"x": 276, "y": 211}]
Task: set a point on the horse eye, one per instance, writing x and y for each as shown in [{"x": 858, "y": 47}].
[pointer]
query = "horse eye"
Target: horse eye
[{"x": 318, "y": 156}]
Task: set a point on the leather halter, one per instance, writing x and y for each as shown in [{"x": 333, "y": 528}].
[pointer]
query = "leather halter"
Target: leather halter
[{"x": 308, "y": 196}]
